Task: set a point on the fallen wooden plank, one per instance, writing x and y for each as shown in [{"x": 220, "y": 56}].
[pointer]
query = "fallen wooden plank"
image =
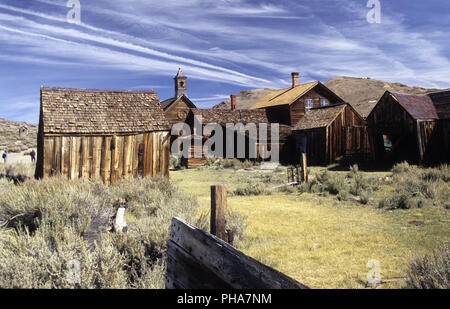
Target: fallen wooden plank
[{"x": 193, "y": 253}]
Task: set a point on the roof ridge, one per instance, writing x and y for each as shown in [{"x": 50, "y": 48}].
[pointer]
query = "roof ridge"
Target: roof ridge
[{"x": 45, "y": 88}]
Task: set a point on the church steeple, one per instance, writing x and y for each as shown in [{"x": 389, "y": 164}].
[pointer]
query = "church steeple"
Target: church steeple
[{"x": 180, "y": 84}]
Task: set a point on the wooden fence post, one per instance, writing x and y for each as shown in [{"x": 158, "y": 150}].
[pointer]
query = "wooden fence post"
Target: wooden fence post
[
  {"x": 304, "y": 168},
  {"x": 218, "y": 211}
]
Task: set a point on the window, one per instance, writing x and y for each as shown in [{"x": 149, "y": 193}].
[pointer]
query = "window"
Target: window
[
  {"x": 309, "y": 103},
  {"x": 324, "y": 102}
]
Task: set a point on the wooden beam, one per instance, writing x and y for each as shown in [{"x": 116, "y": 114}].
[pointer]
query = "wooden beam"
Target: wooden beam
[
  {"x": 198, "y": 260},
  {"x": 304, "y": 168},
  {"x": 218, "y": 211}
]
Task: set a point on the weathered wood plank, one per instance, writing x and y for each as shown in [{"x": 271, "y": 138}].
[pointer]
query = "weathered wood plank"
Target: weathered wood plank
[
  {"x": 115, "y": 158},
  {"x": 105, "y": 165},
  {"x": 74, "y": 158},
  {"x": 49, "y": 143},
  {"x": 84, "y": 155},
  {"x": 96, "y": 157},
  {"x": 65, "y": 156},
  {"x": 225, "y": 262},
  {"x": 185, "y": 271},
  {"x": 127, "y": 149}
]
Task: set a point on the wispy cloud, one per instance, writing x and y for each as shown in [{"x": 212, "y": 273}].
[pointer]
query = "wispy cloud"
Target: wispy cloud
[{"x": 223, "y": 45}]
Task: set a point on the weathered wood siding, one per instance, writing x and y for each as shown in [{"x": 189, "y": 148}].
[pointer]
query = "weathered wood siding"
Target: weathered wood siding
[
  {"x": 416, "y": 141},
  {"x": 177, "y": 113},
  {"x": 345, "y": 136},
  {"x": 109, "y": 158}
]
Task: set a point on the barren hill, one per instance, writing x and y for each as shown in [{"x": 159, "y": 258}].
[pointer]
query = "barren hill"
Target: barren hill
[
  {"x": 361, "y": 93},
  {"x": 10, "y": 138},
  {"x": 364, "y": 93},
  {"x": 245, "y": 99}
]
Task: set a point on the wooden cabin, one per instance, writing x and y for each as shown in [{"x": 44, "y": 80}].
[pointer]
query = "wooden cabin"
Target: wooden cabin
[
  {"x": 411, "y": 127},
  {"x": 288, "y": 106},
  {"x": 330, "y": 132},
  {"x": 101, "y": 134}
]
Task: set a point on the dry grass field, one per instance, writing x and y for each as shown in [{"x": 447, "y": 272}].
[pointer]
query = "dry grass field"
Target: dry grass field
[
  {"x": 320, "y": 240},
  {"x": 322, "y": 233}
]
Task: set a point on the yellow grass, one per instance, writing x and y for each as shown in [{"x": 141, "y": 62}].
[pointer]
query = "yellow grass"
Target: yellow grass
[{"x": 283, "y": 227}]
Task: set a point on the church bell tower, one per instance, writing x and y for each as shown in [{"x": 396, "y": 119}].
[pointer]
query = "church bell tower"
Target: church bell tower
[{"x": 180, "y": 84}]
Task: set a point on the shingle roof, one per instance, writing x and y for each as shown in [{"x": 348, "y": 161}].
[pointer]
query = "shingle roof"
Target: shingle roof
[
  {"x": 284, "y": 96},
  {"x": 166, "y": 104},
  {"x": 222, "y": 116},
  {"x": 88, "y": 111},
  {"x": 319, "y": 117}
]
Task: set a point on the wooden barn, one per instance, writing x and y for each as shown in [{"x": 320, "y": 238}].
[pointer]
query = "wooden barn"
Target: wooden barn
[
  {"x": 411, "y": 127},
  {"x": 101, "y": 134},
  {"x": 177, "y": 109},
  {"x": 330, "y": 132},
  {"x": 288, "y": 106}
]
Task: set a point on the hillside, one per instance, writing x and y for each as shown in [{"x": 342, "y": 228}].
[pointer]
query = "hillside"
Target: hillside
[
  {"x": 364, "y": 93},
  {"x": 12, "y": 141},
  {"x": 361, "y": 93},
  {"x": 245, "y": 99}
]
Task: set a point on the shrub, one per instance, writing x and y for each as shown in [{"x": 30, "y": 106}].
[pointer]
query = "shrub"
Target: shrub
[
  {"x": 252, "y": 188},
  {"x": 44, "y": 225},
  {"x": 365, "y": 197},
  {"x": 400, "y": 168},
  {"x": 175, "y": 163},
  {"x": 430, "y": 271}
]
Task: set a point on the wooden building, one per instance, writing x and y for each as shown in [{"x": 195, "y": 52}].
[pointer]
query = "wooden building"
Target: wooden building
[
  {"x": 330, "y": 132},
  {"x": 177, "y": 109},
  {"x": 288, "y": 106},
  {"x": 411, "y": 127},
  {"x": 101, "y": 134},
  {"x": 223, "y": 117}
]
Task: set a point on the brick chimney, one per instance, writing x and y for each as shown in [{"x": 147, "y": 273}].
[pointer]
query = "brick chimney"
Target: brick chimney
[
  {"x": 295, "y": 78},
  {"x": 233, "y": 102}
]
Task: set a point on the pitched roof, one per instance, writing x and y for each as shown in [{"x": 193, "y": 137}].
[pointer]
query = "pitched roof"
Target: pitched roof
[
  {"x": 419, "y": 106},
  {"x": 223, "y": 116},
  {"x": 289, "y": 95},
  {"x": 441, "y": 101},
  {"x": 87, "y": 111},
  {"x": 284, "y": 96},
  {"x": 166, "y": 104},
  {"x": 319, "y": 117}
]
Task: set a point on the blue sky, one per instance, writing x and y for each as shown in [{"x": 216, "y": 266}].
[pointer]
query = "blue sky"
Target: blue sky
[{"x": 223, "y": 46}]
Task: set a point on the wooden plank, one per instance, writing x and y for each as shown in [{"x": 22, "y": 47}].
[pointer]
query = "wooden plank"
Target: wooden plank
[
  {"x": 65, "y": 156},
  {"x": 96, "y": 157},
  {"x": 74, "y": 158},
  {"x": 115, "y": 159},
  {"x": 221, "y": 260},
  {"x": 156, "y": 154},
  {"x": 183, "y": 271},
  {"x": 49, "y": 143},
  {"x": 218, "y": 211},
  {"x": 56, "y": 161},
  {"x": 304, "y": 168},
  {"x": 127, "y": 149},
  {"x": 84, "y": 154},
  {"x": 135, "y": 164},
  {"x": 148, "y": 155},
  {"x": 105, "y": 165},
  {"x": 166, "y": 154}
]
